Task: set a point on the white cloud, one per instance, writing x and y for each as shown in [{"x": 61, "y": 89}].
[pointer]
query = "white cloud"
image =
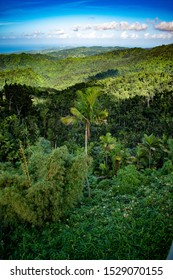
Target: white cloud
[
  {"x": 107, "y": 36},
  {"x": 122, "y": 25},
  {"x": 138, "y": 26},
  {"x": 158, "y": 36},
  {"x": 35, "y": 34},
  {"x": 61, "y": 36},
  {"x": 125, "y": 35},
  {"x": 134, "y": 36},
  {"x": 164, "y": 26},
  {"x": 91, "y": 35},
  {"x": 82, "y": 27},
  {"x": 95, "y": 35},
  {"x": 58, "y": 33},
  {"x": 64, "y": 36},
  {"x": 106, "y": 26}
]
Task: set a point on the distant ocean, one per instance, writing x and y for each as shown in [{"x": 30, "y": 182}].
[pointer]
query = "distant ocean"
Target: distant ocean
[{"x": 6, "y": 49}]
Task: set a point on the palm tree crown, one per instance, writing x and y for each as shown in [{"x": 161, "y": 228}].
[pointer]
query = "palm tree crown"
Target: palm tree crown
[{"x": 86, "y": 111}]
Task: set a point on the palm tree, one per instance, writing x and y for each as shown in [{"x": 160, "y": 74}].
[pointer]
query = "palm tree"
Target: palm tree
[
  {"x": 146, "y": 150},
  {"x": 86, "y": 111}
]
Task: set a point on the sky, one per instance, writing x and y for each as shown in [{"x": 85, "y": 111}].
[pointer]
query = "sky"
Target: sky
[{"x": 50, "y": 23}]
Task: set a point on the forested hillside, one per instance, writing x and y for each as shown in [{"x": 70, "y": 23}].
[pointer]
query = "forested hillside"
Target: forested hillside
[
  {"x": 78, "y": 51},
  {"x": 86, "y": 154},
  {"x": 48, "y": 70}
]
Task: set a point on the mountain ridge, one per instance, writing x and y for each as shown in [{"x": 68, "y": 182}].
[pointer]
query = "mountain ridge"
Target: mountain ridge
[{"x": 69, "y": 67}]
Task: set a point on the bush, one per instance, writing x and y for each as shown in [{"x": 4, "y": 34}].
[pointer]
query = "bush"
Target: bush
[
  {"x": 56, "y": 185},
  {"x": 128, "y": 180},
  {"x": 108, "y": 226}
]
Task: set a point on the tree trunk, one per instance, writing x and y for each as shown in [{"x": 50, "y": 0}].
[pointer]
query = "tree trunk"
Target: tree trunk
[
  {"x": 87, "y": 135},
  {"x": 86, "y": 139}
]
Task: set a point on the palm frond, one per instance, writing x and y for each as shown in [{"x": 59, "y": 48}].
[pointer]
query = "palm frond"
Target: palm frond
[
  {"x": 68, "y": 120},
  {"x": 81, "y": 101},
  {"x": 91, "y": 96},
  {"x": 76, "y": 113},
  {"x": 101, "y": 117}
]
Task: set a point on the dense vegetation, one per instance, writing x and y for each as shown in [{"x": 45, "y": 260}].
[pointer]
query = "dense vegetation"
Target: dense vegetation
[
  {"x": 86, "y": 154},
  {"x": 48, "y": 70}
]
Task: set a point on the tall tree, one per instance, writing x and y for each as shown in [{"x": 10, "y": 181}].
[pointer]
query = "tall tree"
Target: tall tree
[
  {"x": 18, "y": 99},
  {"x": 87, "y": 111}
]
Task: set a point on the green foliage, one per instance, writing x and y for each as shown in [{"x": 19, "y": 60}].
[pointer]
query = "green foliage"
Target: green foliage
[
  {"x": 146, "y": 150},
  {"x": 12, "y": 130},
  {"x": 128, "y": 180},
  {"x": 87, "y": 111},
  {"x": 70, "y": 67},
  {"x": 143, "y": 92},
  {"x": 129, "y": 119},
  {"x": 18, "y": 99},
  {"x": 56, "y": 185},
  {"x": 110, "y": 155},
  {"x": 153, "y": 151},
  {"x": 109, "y": 227},
  {"x": 170, "y": 148},
  {"x": 104, "y": 75},
  {"x": 17, "y": 121},
  {"x": 43, "y": 212}
]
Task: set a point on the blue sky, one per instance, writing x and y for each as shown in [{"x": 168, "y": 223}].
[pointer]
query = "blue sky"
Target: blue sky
[{"x": 86, "y": 23}]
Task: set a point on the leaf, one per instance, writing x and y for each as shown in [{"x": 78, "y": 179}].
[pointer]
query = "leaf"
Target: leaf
[
  {"x": 77, "y": 113},
  {"x": 68, "y": 120},
  {"x": 102, "y": 166},
  {"x": 101, "y": 117},
  {"x": 91, "y": 96},
  {"x": 111, "y": 146},
  {"x": 118, "y": 158},
  {"x": 149, "y": 140}
]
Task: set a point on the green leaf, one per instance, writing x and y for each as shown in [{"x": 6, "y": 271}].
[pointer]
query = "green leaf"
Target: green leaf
[
  {"x": 75, "y": 112},
  {"x": 68, "y": 120},
  {"x": 101, "y": 117}
]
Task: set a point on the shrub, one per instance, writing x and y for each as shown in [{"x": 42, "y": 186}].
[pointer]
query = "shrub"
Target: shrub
[
  {"x": 108, "y": 226},
  {"x": 105, "y": 184},
  {"x": 128, "y": 180},
  {"x": 57, "y": 186}
]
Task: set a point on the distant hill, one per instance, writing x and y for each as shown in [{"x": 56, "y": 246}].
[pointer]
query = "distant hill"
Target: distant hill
[
  {"x": 60, "y": 69},
  {"x": 79, "y": 51}
]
